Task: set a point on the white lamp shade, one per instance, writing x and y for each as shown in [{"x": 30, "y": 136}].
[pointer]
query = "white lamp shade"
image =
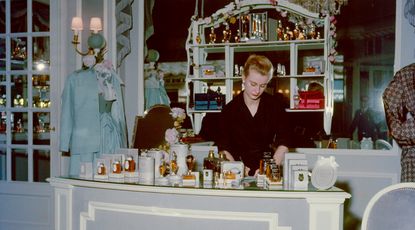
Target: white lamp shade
[
  {"x": 95, "y": 24},
  {"x": 77, "y": 24}
]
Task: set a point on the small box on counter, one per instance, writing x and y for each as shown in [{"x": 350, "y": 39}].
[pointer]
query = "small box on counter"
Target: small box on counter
[{"x": 273, "y": 184}]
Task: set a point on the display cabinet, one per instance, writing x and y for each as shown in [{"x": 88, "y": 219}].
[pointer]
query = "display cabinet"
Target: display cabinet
[{"x": 299, "y": 43}]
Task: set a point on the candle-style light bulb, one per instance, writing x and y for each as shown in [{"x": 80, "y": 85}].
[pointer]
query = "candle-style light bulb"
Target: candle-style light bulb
[
  {"x": 77, "y": 24},
  {"x": 95, "y": 25}
]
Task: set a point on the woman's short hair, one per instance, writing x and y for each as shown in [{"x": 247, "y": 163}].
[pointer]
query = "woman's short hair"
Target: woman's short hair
[{"x": 258, "y": 63}]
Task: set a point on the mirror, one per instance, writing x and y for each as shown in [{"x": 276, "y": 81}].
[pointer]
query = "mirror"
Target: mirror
[{"x": 364, "y": 67}]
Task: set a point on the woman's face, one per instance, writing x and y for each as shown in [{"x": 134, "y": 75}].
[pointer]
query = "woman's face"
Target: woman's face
[{"x": 255, "y": 84}]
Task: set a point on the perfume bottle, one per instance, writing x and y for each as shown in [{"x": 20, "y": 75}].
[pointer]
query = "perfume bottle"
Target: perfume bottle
[
  {"x": 129, "y": 164},
  {"x": 209, "y": 162},
  {"x": 218, "y": 98},
  {"x": 190, "y": 162},
  {"x": 312, "y": 33},
  {"x": 101, "y": 170},
  {"x": 332, "y": 144},
  {"x": 238, "y": 36},
  {"x": 227, "y": 33},
  {"x": 296, "y": 31},
  {"x": 162, "y": 168},
  {"x": 212, "y": 36},
  {"x": 222, "y": 158},
  {"x": 266, "y": 159},
  {"x": 289, "y": 34},
  {"x": 116, "y": 167},
  {"x": 173, "y": 164},
  {"x": 198, "y": 39},
  {"x": 244, "y": 33},
  {"x": 280, "y": 31}
]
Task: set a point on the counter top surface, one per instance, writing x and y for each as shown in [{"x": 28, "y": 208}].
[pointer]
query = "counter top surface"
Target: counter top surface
[{"x": 248, "y": 191}]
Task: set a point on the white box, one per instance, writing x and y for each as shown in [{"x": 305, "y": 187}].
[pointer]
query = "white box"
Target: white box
[
  {"x": 236, "y": 167},
  {"x": 299, "y": 163},
  {"x": 85, "y": 170},
  {"x": 208, "y": 71},
  {"x": 273, "y": 185},
  {"x": 288, "y": 157},
  {"x": 300, "y": 180}
]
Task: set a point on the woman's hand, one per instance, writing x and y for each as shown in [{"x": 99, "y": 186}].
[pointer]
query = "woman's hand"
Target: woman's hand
[
  {"x": 279, "y": 154},
  {"x": 228, "y": 155}
]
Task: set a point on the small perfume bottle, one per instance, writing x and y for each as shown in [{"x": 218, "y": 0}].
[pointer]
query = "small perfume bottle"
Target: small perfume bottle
[
  {"x": 212, "y": 36},
  {"x": 101, "y": 170},
  {"x": 173, "y": 164},
  {"x": 280, "y": 31},
  {"x": 312, "y": 33},
  {"x": 162, "y": 168},
  {"x": 238, "y": 36},
  {"x": 198, "y": 39},
  {"x": 129, "y": 164},
  {"x": 289, "y": 33},
  {"x": 116, "y": 167},
  {"x": 296, "y": 31},
  {"x": 190, "y": 162},
  {"x": 227, "y": 33}
]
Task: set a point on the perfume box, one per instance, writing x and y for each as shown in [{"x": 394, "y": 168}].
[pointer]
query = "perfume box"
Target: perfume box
[
  {"x": 191, "y": 180},
  {"x": 291, "y": 159},
  {"x": 208, "y": 71},
  {"x": 273, "y": 185},
  {"x": 300, "y": 179},
  {"x": 201, "y": 105},
  {"x": 85, "y": 170},
  {"x": 102, "y": 168},
  {"x": 235, "y": 167},
  {"x": 294, "y": 166}
]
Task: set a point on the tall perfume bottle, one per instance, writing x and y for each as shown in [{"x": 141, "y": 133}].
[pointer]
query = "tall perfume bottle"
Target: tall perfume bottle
[
  {"x": 280, "y": 31},
  {"x": 222, "y": 158},
  {"x": 173, "y": 164},
  {"x": 296, "y": 31},
  {"x": 227, "y": 33},
  {"x": 209, "y": 162}
]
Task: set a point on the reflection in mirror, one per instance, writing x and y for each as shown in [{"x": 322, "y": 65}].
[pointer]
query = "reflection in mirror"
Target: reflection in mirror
[
  {"x": 41, "y": 55},
  {"x": 149, "y": 130},
  {"x": 18, "y": 17},
  {"x": 364, "y": 66},
  {"x": 41, "y": 128},
  {"x": 19, "y": 53},
  {"x": 41, "y": 169},
  {"x": 154, "y": 84},
  {"x": 366, "y": 42},
  {"x": 3, "y": 154},
  {"x": 40, "y": 15},
  {"x": 19, "y": 127},
  {"x": 19, "y": 165}
]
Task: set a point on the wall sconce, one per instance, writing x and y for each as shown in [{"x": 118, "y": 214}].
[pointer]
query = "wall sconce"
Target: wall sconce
[{"x": 96, "y": 42}]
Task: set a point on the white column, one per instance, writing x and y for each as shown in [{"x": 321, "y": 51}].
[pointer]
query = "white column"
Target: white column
[{"x": 325, "y": 213}]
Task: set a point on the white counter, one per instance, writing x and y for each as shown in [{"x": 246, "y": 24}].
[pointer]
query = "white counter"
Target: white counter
[{"x": 81, "y": 204}]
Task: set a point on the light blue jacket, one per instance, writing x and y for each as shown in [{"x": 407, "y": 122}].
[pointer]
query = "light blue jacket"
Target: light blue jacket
[{"x": 81, "y": 129}]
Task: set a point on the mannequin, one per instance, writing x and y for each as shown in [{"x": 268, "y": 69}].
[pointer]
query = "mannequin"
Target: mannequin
[
  {"x": 92, "y": 114},
  {"x": 154, "y": 93}
]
